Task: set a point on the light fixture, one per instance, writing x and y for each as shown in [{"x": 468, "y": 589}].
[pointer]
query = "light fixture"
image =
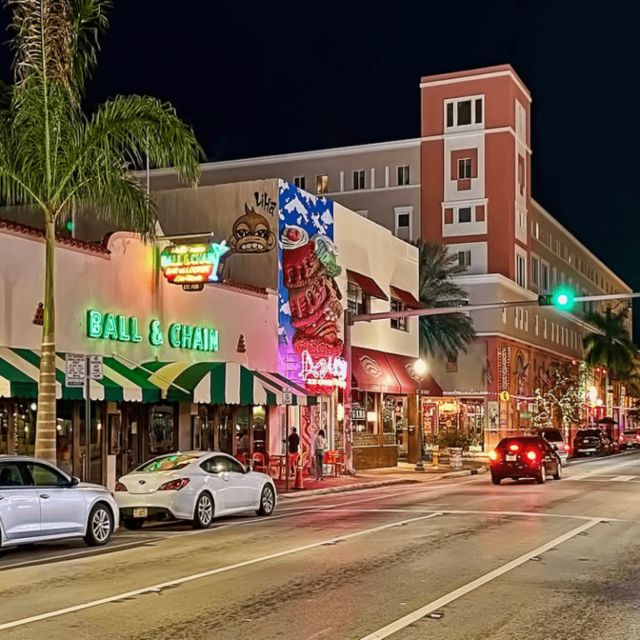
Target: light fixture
[
  {"x": 340, "y": 411},
  {"x": 33, "y": 406},
  {"x": 420, "y": 367}
]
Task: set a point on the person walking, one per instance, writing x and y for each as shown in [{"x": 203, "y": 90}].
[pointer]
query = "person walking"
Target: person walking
[
  {"x": 319, "y": 444},
  {"x": 293, "y": 447}
]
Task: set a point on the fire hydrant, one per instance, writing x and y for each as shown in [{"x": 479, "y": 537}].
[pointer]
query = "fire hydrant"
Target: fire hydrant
[{"x": 435, "y": 452}]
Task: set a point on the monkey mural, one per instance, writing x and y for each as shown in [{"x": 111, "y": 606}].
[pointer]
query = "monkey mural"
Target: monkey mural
[{"x": 251, "y": 233}]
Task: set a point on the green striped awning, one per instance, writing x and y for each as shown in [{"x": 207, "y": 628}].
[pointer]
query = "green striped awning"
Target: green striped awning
[
  {"x": 223, "y": 383},
  {"x": 19, "y": 372}
]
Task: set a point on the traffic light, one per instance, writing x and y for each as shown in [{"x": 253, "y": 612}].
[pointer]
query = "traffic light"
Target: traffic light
[{"x": 562, "y": 298}]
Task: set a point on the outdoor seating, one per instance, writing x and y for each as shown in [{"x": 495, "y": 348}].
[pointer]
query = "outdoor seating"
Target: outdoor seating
[
  {"x": 276, "y": 466},
  {"x": 258, "y": 462}
]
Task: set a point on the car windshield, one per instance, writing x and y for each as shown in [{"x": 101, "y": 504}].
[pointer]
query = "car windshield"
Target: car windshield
[
  {"x": 167, "y": 463},
  {"x": 552, "y": 436},
  {"x": 588, "y": 432}
]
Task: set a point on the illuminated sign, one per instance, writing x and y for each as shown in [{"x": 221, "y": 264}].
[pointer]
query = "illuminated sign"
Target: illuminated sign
[
  {"x": 324, "y": 372},
  {"x": 120, "y": 328},
  {"x": 189, "y": 264}
]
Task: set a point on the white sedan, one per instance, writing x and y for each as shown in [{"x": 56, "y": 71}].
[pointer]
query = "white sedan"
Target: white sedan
[{"x": 194, "y": 486}]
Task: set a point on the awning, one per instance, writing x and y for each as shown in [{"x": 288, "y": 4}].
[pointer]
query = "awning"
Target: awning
[
  {"x": 20, "y": 368},
  {"x": 222, "y": 383},
  {"x": 367, "y": 284},
  {"x": 388, "y": 373},
  {"x": 404, "y": 296}
]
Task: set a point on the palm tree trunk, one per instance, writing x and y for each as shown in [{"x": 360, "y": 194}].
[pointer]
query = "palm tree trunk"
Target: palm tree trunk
[{"x": 46, "y": 423}]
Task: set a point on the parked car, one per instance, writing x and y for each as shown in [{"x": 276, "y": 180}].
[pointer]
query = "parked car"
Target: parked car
[
  {"x": 38, "y": 502},
  {"x": 524, "y": 457},
  {"x": 195, "y": 486},
  {"x": 591, "y": 442},
  {"x": 555, "y": 438},
  {"x": 630, "y": 438}
]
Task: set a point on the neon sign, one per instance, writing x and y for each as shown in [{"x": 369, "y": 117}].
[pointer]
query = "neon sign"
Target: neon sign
[
  {"x": 120, "y": 328},
  {"x": 187, "y": 264},
  {"x": 324, "y": 372}
]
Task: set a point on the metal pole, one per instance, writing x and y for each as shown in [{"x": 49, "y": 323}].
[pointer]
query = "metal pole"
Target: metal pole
[
  {"x": 346, "y": 422},
  {"x": 420, "y": 463},
  {"x": 87, "y": 423},
  {"x": 286, "y": 448}
]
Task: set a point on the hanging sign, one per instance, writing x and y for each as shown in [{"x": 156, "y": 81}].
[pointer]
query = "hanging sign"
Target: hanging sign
[
  {"x": 193, "y": 264},
  {"x": 504, "y": 368},
  {"x": 329, "y": 371}
]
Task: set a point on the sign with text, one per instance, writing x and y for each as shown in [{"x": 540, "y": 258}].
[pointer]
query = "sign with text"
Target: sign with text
[
  {"x": 193, "y": 264},
  {"x": 75, "y": 370},
  {"x": 96, "y": 367}
]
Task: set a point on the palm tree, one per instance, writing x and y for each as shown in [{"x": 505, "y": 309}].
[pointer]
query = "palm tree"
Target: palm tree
[
  {"x": 56, "y": 159},
  {"x": 446, "y": 334},
  {"x": 609, "y": 344}
]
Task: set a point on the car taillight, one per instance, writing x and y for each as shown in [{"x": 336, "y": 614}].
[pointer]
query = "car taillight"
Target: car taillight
[
  {"x": 493, "y": 455},
  {"x": 513, "y": 447},
  {"x": 532, "y": 455},
  {"x": 174, "y": 485},
  {"x": 120, "y": 487}
]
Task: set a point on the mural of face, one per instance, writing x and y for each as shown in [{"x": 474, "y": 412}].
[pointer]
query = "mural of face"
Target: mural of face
[{"x": 251, "y": 233}]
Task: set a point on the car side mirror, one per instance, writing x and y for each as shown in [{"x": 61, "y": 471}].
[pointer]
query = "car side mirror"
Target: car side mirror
[
  {"x": 74, "y": 481},
  {"x": 554, "y": 447}
]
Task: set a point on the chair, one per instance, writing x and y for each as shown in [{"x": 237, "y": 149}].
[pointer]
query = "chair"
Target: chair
[
  {"x": 339, "y": 463},
  {"x": 274, "y": 468},
  {"x": 258, "y": 462},
  {"x": 330, "y": 458},
  {"x": 242, "y": 458}
]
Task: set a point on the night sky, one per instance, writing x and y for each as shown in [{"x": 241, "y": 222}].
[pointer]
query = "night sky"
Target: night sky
[{"x": 274, "y": 76}]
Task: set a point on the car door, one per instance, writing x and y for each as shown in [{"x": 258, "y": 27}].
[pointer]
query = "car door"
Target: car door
[
  {"x": 242, "y": 491},
  {"x": 217, "y": 477},
  {"x": 19, "y": 503},
  {"x": 550, "y": 458},
  {"x": 63, "y": 508}
]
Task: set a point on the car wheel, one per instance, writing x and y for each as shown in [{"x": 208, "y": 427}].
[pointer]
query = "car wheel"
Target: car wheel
[
  {"x": 267, "y": 501},
  {"x": 203, "y": 513},
  {"x": 558, "y": 474},
  {"x": 541, "y": 478},
  {"x": 99, "y": 526},
  {"x": 496, "y": 479},
  {"x": 133, "y": 524}
]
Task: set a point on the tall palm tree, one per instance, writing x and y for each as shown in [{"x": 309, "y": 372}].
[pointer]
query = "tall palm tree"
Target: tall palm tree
[
  {"x": 446, "y": 334},
  {"x": 56, "y": 159},
  {"x": 609, "y": 344}
]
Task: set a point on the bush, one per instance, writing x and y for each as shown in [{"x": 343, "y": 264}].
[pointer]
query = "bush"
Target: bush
[{"x": 454, "y": 438}]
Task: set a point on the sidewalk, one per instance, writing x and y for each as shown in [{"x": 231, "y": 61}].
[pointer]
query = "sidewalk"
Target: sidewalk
[{"x": 404, "y": 473}]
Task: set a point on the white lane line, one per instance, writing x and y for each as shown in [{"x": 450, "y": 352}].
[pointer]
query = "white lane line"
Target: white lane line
[
  {"x": 156, "y": 588},
  {"x": 622, "y": 478},
  {"x": 414, "y": 616}
]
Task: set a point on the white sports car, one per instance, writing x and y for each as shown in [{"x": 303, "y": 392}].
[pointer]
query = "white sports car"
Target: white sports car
[{"x": 194, "y": 486}]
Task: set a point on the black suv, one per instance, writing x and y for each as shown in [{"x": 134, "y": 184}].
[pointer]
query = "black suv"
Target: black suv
[
  {"x": 524, "y": 457},
  {"x": 591, "y": 442}
]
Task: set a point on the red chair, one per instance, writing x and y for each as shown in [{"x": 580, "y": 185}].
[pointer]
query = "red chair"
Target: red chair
[
  {"x": 242, "y": 458},
  {"x": 258, "y": 462}
]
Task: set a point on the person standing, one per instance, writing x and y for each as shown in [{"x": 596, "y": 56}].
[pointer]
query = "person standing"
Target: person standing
[
  {"x": 293, "y": 447},
  {"x": 319, "y": 444}
]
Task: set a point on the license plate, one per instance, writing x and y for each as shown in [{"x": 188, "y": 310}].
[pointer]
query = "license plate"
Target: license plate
[
  {"x": 510, "y": 458},
  {"x": 140, "y": 513}
]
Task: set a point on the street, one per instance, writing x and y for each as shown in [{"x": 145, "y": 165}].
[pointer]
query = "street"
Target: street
[{"x": 459, "y": 558}]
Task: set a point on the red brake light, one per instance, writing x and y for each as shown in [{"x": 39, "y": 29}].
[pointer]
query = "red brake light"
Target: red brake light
[
  {"x": 174, "y": 485},
  {"x": 532, "y": 455},
  {"x": 513, "y": 447},
  {"x": 120, "y": 487},
  {"x": 493, "y": 455}
]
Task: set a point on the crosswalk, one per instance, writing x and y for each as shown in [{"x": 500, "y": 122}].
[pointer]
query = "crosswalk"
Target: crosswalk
[{"x": 596, "y": 477}]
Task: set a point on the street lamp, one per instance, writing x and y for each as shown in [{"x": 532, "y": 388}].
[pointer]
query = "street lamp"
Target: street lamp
[{"x": 419, "y": 371}]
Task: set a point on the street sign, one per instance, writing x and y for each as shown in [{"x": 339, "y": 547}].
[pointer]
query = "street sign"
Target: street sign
[
  {"x": 96, "y": 368},
  {"x": 504, "y": 396},
  {"x": 75, "y": 369},
  {"x": 287, "y": 397}
]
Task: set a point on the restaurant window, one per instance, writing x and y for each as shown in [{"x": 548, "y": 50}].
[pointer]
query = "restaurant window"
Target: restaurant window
[
  {"x": 358, "y": 180},
  {"x": 403, "y": 175},
  {"x": 364, "y": 413},
  {"x": 300, "y": 182},
  {"x": 322, "y": 183},
  {"x": 161, "y": 430},
  {"x": 357, "y": 299},
  {"x": 4, "y": 427},
  {"x": 398, "y": 323}
]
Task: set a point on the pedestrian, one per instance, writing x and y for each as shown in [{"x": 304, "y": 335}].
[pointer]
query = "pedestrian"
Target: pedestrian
[
  {"x": 243, "y": 446},
  {"x": 294, "y": 448},
  {"x": 319, "y": 444}
]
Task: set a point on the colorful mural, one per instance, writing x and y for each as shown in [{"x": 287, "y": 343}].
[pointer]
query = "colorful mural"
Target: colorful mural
[{"x": 310, "y": 310}]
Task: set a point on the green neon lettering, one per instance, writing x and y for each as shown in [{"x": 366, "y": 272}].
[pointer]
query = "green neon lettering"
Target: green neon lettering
[
  {"x": 155, "y": 333},
  {"x": 174, "y": 335},
  {"x": 133, "y": 330},
  {"x": 197, "y": 344},
  {"x": 186, "y": 337},
  {"x": 110, "y": 327},
  {"x": 94, "y": 324},
  {"x": 212, "y": 341},
  {"x": 123, "y": 334}
]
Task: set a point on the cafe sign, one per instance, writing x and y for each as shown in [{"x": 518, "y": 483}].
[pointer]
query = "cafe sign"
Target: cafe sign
[
  {"x": 121, "y": 328},
  {"x": 193, "y": 264}
]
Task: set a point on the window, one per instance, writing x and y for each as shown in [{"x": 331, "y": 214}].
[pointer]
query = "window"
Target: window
[
  {"x": 222, "y": 464},
  {"x": 404, "y": 223},
  {"x": 544, "y": 328},
  {"x": 173, "y": 462},
  {"x": 322, "y": 183},
  {"x": 544, "y": 276},
  {"x": 10, "y": 475},
  {"x": 464, "y": 112},
  {"x": 521, "y": 270},
  {"x": 357, "y": 300},
  {"x": 464, "y": 258},
  {"x": 398, "y": 323},
  {"x": 464, "y": 214},
  {"x": 536, "y": 325},
  {"x": 464, "y": 168},
  {"x": 403, "y": 175},
  {"x": 300, "y": 182},
  {"x": 452, "y": 364},
  {"x": 44, "y": 476},
  {"x": 535, "y": 267},
  {"x": 358, "y": 180},
  {"x": 536, "y": 230}
]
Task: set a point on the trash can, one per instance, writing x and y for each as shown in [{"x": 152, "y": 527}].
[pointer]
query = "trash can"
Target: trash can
[{"x": 455, "y": 457}]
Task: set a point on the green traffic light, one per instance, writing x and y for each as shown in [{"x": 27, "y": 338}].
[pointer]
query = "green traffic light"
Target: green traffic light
[{"x": 563, "y": 298}]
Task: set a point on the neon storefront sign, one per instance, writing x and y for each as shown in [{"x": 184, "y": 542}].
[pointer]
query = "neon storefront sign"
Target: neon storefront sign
[
  {"x": 328, "y": 371},
  {"x": 193, "y": 263},
  {"x": 121, "y": 328}
]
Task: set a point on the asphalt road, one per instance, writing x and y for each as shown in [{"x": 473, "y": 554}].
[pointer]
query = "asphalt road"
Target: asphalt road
[{"x": 441, "y": 560}]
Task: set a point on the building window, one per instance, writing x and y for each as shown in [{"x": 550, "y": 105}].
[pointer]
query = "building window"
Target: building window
[
  {"x": 357, "y": 299},
  {"x": 464, "y": 214},
  {"x": 536, "y": 325},
  {"x": 404, "y": 223},
  {"x": 464, "y": 169},
  {"x": 521, "y": 270},
  {"x": 300, "y": 182},
  {"x": 464, "y": 258},
  {"x": 322, "y": 183},
  {"x": 535, "y": 267},
  {"x": 544, "y": 328},
  {"x": 452, "y": 364},
  {"x": 464, "y": 112},
  {"x": 536, "y": 231},
  {"x": 398, "y": 323},
  {"x": 358, "y": 180},
  {"x": 403, "y": 175},
  {"x": 544, "y": 276}
]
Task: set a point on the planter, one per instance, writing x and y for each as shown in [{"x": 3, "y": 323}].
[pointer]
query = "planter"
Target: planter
[{"x": 455, "y": 457}]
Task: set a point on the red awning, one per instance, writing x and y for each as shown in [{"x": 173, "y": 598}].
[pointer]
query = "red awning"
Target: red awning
[
  {"x": 402, "y": 368},
  {"x": 367, "y": 284},
  {"x": 371, "y": 372},
  {"x": 406, "y": 297}
]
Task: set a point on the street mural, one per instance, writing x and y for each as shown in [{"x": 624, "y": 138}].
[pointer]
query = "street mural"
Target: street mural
[
  {"x": 310, "y": 311},
  {"x": 251, "y": 232}
]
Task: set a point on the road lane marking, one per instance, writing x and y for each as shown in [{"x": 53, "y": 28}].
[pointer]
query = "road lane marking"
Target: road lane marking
[
  {"x": 414, "y": 616},
  {"x": 157, "y": 588},
  {"x": 622, "y": 478}
]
